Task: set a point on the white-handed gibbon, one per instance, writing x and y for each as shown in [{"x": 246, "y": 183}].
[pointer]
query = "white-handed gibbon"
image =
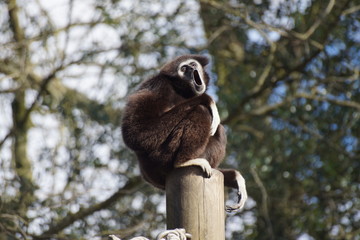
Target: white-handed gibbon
[{"x": 170, "y": 122}]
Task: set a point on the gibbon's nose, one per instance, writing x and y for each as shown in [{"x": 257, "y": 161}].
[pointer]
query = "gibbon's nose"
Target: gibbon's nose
[{"x": 197, "y": 78}]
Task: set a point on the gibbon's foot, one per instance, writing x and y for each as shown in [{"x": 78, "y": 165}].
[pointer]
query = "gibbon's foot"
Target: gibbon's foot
[
  {"x": 201, "y": 162},
  {"x": 235, "y": 207},
  {"x": 216, "y": 118},
  {"x": 241, "y": 194}
]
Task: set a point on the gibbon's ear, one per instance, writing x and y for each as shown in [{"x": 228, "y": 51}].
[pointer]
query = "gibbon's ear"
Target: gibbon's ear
[{"x": 171, "y": 68}]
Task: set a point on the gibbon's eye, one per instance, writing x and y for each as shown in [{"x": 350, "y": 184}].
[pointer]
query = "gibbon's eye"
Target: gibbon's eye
[
  {"x": 183, "y": 68},
  {"x": 193, "y": 64}
]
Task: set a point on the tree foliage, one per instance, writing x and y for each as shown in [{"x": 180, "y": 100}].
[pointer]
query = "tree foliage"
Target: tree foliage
[
  {"x": 291, "y": 101},
  {"x": 286, "y": 77},
  {"x": 65, "y": 70}
]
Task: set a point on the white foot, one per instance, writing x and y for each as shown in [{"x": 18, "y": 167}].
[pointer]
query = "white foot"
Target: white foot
[
  {"x": 216, "y": 118},
  {"x": 242, "y": 190},
  {"x": 242, "y": 194},
  {"x": 201, "y": 162}
]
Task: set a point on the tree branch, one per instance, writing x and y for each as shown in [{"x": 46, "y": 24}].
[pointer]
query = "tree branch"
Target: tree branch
[
  {"x": 282, "y": 75},
  {"x": 319, "y": 136},
  {"x": 319, "y": 20},
  {"x": 264, "y": 201},
  {"x": 351, "y": 10},
  {"x": 132, "y": 185},
  {"x": 339, "y": 102},
  {"x": 20, "y": 116},
  {"x": 13, "y": 11}
]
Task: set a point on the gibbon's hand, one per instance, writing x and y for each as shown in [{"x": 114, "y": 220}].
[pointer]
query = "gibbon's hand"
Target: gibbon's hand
[{"x": 201, "y": 162}]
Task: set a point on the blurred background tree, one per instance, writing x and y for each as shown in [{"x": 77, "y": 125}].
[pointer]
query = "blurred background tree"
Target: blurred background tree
[{"x": 286, "y": 77}]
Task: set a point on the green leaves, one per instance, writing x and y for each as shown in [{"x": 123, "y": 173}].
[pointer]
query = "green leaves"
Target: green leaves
[{"x": 291, "y": 107}]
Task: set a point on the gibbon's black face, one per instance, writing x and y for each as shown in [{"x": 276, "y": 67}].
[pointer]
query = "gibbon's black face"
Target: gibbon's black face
[
  {"x": 187, "y": 75},
  {"x": 192, "y": 77}
]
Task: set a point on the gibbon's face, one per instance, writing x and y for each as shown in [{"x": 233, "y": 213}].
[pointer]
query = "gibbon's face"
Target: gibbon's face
[{"x": 192, "y": 77}]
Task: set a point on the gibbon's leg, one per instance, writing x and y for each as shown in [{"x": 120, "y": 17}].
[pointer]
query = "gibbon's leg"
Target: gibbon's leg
[
  {"x": 234, "y": 179},
  {"x": 195, "y": 137},
  {"x": 216, "y": 147},
  {"x": 213, "y": 155}
]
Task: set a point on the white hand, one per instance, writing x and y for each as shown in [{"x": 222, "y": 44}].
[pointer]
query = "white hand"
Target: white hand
[{"x": 201, "y": 162}]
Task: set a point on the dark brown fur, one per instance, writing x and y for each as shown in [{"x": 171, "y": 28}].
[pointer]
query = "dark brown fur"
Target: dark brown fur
[{"x": 164, "y": 124}]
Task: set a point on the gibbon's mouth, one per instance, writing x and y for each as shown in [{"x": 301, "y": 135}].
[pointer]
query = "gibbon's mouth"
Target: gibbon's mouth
[{"x": 197, "y": 78}]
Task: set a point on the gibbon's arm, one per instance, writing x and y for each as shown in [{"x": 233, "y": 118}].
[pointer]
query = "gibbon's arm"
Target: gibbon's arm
[
  {"x": 148, "y": 115},
  {"x": 203, "y": 99},
  {"x": 181, "y": 110},
  {"x": 146, "y": 104},
  {"x": 207, "y": 101}
]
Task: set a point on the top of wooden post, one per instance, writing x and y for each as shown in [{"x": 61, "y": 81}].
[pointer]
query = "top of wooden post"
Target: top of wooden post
[{"x": 196, "y": 203}]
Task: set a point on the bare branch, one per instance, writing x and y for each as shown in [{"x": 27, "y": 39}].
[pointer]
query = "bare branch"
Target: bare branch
[
  {"x": 9, "y": 134},
  {"x": 246, "y": 128},
  {"x": 132, "y": 185},
  {"x": 264, "y": 202},
  {"x": 319, "y": 20},
  {"x": 318, "y": 135},
  {"x": 13, "y": 10},
  {"x": 339, "y": 102},
  {"x": 351, "y": 10},
  {"x": 125, "y": 232},
  {"x": 244, "y": 16},
  {"x": 217, "y": 33},
  {"x": 269, "y": 108},
  {"x": 11, "y": 90}
]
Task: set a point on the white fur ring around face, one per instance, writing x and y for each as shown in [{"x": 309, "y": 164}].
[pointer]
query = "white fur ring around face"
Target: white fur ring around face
[{"x": 216, "y": 118}]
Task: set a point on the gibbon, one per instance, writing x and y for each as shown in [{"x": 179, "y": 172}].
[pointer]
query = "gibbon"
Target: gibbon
[{"x": 170, "y": 122}]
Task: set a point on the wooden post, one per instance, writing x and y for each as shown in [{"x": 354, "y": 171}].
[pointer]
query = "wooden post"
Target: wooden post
[{"x": 196, "y": 203}]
